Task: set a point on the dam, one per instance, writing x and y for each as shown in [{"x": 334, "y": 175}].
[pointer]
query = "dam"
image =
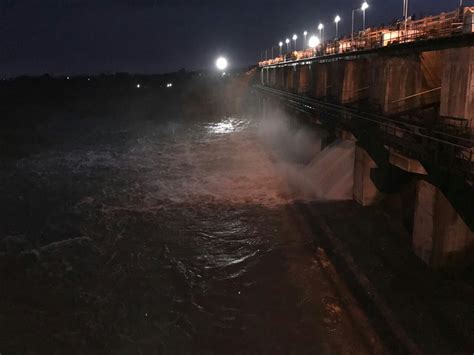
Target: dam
[
  {"x": 406, "y": 97},
  {"x": 315, "y": 202}
]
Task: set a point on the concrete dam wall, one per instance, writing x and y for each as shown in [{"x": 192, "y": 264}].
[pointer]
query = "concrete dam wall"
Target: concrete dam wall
[{"x": 424, "y": 97}]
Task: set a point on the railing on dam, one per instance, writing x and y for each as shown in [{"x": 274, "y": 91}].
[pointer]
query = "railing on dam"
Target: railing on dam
[
  {"x": 433, "y": 146},
  {"x": 454, "y": 23}
]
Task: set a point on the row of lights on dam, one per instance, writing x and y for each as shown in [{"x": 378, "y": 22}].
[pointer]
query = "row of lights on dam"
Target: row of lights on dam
[{"x": 314, "y": 40}]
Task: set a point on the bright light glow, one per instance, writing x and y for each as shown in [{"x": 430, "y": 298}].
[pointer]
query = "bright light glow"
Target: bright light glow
[
  {"x": 320, "y": 27},
  {"x": 295, "y": 37},
  {"x": 280, "y": 44},
  {"x": 228, "y": 125},
  {"x": 169, "y": 85},
  {"x": 67, "y": 78},
  {"x": 287, "y": 41},
  {"x": 138, "y": 86},
  {"x": 221, "y": 63},
  {"x": 314, "y": 42},
  {"x": 364, "y": 6},
  {"x": 337, "y": 19},
  {"x": 223, "y": 127},
  {"x": 305, "y": 33}
]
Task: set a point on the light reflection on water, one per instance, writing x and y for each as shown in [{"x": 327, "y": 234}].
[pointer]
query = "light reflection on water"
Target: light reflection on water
[
  {"x": 228, "y": 125},
  {"x": 182, "y": 224},
  {"x": 179, "y": 217}
]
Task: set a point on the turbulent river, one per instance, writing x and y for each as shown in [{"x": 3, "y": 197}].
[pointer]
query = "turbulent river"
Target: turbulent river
[{"x": 174, "y": 237}]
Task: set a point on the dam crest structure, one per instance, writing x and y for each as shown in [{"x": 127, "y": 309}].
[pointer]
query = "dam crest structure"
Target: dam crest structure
[{"x": 405, "y": 95}]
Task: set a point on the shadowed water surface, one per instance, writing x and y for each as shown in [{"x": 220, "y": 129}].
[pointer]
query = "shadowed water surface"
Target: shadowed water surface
[{"x": 164, "y": 238}]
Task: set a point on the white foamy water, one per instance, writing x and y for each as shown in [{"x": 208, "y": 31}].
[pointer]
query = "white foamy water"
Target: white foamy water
[
  {"x": 228, "y": 161},
  {"x": 329, "y": 176},
  {"x": 311, "y": 171},
  {"x": 211, "y": 162}
]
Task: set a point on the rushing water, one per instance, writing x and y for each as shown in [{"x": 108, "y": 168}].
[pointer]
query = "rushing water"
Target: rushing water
[{"x": 174, "y": 237}]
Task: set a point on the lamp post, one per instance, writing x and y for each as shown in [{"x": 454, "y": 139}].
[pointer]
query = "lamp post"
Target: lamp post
[
  {"x": 352, "y": 31},
  {"x": 364, "y": 7},
  {"x": 336, "y": 21},
  {"x": 280, "y": 45},
  {"x": 305, "y": 33},
  {"x": 295, "y": 37},
  {"x": 287, "y": 41},
  {"x": 405, "y": 14},
  {"x": 320, "y": 28}
]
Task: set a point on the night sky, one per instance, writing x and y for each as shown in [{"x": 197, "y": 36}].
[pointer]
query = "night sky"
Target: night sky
[{"x": 156, "y": 36}]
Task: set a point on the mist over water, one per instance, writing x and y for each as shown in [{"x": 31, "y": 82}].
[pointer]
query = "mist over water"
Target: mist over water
[{"x": 311, "y": 170}]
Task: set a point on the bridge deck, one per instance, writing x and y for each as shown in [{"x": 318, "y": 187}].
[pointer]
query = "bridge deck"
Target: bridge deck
[
  {"x": 446, "y": 30},
  {"x": 426, "y": 45}
]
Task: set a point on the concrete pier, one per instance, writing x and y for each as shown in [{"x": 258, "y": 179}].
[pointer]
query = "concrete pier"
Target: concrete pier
[
  {"x": 440, "y": 237},
  {"x": 304, "y": 79},
  {"x": 365, "y": 191},
  {"x": 394, "y": 79},
  {"x": 457, "y": 94},
  {"x": 290, "y": 72},
  {"x": 320, "y": 80},
  {"x": 405, "y": 163},
  {"x": 354, "y": 84}
]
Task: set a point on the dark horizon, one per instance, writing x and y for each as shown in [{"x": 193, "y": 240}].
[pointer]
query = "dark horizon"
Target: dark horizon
[
  {"x": 161, "y": 36},
  {"x": 84, "y": 76}
]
